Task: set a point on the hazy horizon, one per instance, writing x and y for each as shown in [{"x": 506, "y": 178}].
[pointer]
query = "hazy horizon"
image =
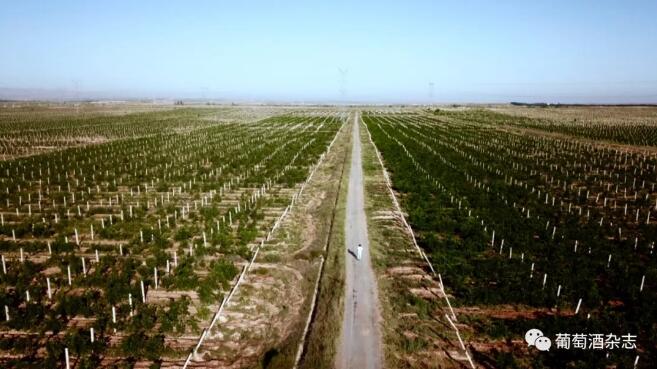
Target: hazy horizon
[{"x": 422, "y": 51}]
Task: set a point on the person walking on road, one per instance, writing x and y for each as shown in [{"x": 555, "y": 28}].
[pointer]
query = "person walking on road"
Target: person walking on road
[{"x": 359, "y": 252}]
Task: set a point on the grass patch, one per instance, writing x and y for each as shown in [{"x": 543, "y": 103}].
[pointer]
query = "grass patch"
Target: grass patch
[{"x": 321, "y": 344}]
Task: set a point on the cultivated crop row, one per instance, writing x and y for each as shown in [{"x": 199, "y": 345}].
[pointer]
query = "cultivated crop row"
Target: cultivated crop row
[
  {"x": 122, "y": 251},
  {"x": 559, "y": 230}
]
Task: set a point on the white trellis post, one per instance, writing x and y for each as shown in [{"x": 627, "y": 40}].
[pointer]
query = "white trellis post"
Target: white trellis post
[{"x": 66, "y": 358}]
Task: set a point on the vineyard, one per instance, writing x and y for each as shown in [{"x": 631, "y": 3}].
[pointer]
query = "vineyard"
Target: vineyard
[
  {"x": 123, "y": 235},
  {"x": 147, "y": 236},
  {"x": 533, "y": 223}
]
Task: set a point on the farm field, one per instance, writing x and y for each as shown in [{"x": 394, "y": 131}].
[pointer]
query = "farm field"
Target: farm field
[
  {"x": 625, "y": 124},
  {"x": 534, "y": 220},
  {"x": 144, "y": 236},
  {"x": 123, "y": 233}
]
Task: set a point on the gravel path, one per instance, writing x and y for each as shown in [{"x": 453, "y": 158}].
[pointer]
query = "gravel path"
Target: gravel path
[{"x": 360, "y": 344}]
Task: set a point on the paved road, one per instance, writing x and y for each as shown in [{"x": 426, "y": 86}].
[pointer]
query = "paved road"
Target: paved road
[{"x": 360, "y": 344}]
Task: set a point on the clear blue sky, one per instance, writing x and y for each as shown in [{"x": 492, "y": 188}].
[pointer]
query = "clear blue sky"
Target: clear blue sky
[{"x": 602, "y": 51}]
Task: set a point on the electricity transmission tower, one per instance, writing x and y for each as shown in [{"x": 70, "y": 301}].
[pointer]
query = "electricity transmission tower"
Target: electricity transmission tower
[
  {"x": 343, "y": 82},
  {"x": 431, "y": 85}
]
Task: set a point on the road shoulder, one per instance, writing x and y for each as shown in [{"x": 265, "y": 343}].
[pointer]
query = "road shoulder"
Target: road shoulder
[{"x": 321, "y": 344}]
